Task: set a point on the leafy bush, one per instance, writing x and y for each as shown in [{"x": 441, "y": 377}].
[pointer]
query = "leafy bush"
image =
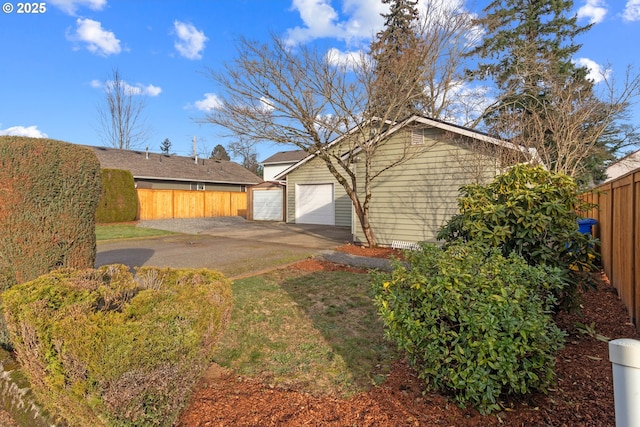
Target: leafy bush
[
  {"x": 101, "y": 347},
  {"x": 533, "y": 213},
  {"x": 119, "y": 199},
  {"x": 49, "y": 191},
  {"x": 473, "y": 324}
]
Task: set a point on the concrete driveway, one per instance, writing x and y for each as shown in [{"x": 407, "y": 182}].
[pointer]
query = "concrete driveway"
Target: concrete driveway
[{"x": 234, "y": 246}]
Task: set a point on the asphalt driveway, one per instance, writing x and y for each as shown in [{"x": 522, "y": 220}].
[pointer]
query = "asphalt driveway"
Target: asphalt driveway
[{"x": 232, "y": 245}]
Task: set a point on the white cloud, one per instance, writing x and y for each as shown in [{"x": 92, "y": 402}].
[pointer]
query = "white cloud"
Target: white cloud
[
  {"x": 97, "y": 39},
  {"x": 265, "y": 105},
  {"x": 210, "y": 102},
  {"x": 358, "y": 20},
  {"x": 71, "y": 6},
  {"x": 351, "y": 59},
  {"x": 320, "y": 20},
  {"x": 129, "y": 89},
  {"x": 596, "y": 72},
  {"x": 30, "y": 131},
  {"x": 632, "y": 11},
  {"x": 151, "y": 90},
  {"x": 594, "y": 10},
  {"x": 190, "y": 43}
]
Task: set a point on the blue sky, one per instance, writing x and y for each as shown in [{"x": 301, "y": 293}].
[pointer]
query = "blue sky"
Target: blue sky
[{"x": 54, "y": 64}]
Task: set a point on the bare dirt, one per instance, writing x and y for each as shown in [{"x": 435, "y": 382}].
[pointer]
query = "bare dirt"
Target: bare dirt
[{"x": 582, "y": 396}]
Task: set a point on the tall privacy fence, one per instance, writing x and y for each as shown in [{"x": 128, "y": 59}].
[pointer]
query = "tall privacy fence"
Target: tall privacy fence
[
  {"x": 163, "y": 204},
  {"x": 618, "y": 228}
]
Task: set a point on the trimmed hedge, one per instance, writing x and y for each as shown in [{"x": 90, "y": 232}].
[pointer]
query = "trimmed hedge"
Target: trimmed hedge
[
  {"x": 103, "y": 348},
  {"x": 475, "y": 325},
  {"x": 119, "y": 199},
  {"x": 49, "y": 191}
]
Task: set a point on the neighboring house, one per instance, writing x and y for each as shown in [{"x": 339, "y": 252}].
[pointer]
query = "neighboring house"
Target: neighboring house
[
  {"x": 411, "y": 201},
  {"x": 623, "y": 166},
  {"x": 166, "y": 172},
  {"x": 279, "y": 162}
]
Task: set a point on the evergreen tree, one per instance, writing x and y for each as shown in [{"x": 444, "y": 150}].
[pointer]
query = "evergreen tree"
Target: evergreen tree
[
  {"x": 165, "y": 147},
  {"x": 525, "y": 40},
  {"x": 544, "y": 99},
  {"x": 394, "y": 50},
  {"x": 219, "y": 153}
]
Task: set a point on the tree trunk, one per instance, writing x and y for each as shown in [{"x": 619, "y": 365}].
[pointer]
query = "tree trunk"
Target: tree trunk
[{"x": 363, "y": 217}]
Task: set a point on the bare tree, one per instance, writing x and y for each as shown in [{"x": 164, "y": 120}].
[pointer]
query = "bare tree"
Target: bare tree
[
  {"x": 447, "y": 32},
  {"x": 121, "y": 114},
  {"x": 337, "y": 109},
  {"x": 308, "y": 99},
  {"x": 246, "y": 151},
  {"x": 570, "y": 126}
]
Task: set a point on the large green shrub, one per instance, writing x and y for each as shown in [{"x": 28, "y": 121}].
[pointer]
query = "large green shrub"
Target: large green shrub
[
  {"x": 102, "y": 348},
  {"x": 473, "y": 324},
  {"x": 119, "y": 199},
  {"x": 531, "y": 212},
  {"x": 49, "y": 191}
]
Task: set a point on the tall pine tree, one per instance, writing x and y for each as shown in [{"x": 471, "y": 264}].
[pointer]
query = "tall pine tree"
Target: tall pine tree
[
  {"x": 526, "y": 41},
  {"x": 544, "y": 99},
  {"x": 398, "y": 63}
]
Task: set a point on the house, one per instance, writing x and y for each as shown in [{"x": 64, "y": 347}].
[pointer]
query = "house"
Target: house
[
  {"x": 166, "y": 172},
  {"x": 410, "y": 201},
  {"x": 623, "y": 166},
  {"x": 279, "y": 162}
]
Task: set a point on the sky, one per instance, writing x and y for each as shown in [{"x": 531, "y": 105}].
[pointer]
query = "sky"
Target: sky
[{"x": 56, "y": 57}]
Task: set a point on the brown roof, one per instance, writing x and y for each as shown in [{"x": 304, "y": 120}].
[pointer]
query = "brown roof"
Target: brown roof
[
  {"x": 176, "y": 168},
  {"x": 286, "y": 157}
]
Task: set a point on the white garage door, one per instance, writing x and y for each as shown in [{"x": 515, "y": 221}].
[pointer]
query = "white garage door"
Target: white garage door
[
  {"x": 267, "y": 205},
  {"x": 314, "y": 204}
]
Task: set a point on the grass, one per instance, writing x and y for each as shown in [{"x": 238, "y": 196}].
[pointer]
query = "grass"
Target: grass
[
  {"x": 313, "y": 331},
  {"x": 126, "y": 231}
]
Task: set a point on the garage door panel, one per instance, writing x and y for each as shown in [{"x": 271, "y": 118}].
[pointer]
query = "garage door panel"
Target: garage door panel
[
  {"x": 267, "y": 205},
  {"x": 315, "y": 204}
]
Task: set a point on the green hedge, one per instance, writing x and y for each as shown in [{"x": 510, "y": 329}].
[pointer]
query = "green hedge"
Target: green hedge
[
  {"x": 49, "y": 191},
  {"x": 102, "y": 348},
  {"x": 475, "y": 325},
  {"x": 119, "y": 199}
]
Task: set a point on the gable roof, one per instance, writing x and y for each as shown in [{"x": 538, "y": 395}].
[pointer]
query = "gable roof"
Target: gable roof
[
  {"x": 621, "y": 167},
  {"x": 449, "y": 127},
  {"x": 292, "y": 156},
  {"x": 144, "y": 165}
]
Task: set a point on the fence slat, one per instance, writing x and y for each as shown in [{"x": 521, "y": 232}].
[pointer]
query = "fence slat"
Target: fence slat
[
  {"x": 618, "y": 216},
  {"x": 164, "y": 204}
]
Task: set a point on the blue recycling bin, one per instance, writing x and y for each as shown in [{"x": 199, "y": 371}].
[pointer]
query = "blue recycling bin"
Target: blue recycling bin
[{"x": 584, "y": 225}]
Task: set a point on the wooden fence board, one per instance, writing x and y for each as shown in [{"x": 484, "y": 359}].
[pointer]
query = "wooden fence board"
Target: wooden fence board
[
  {"x": 618, "y": 228},
  {"x": 163, "y": 204},
  {"x": 635, "y": 238},
  {"x": 621, "y": 243},
  {"x": 218, "y": 203}
]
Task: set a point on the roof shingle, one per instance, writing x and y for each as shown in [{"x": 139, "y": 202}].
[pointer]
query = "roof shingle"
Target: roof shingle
[
  {"x": 286, "y": 157},
  {"x": 177, "y": 168}
]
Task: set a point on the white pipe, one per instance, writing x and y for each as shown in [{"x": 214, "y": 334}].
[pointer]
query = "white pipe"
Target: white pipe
[{"x": 624, "y": 354}]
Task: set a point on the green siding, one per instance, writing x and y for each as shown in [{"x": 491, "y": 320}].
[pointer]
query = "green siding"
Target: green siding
[
  {"x": 316, "y": 172},
  {"x": 410, "y": 202}
]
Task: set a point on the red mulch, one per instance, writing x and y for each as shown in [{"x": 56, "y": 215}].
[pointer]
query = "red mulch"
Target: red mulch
[{"x": 583, "y": 395}]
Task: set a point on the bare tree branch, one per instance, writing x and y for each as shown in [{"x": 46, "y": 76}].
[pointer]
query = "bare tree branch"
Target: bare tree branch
[
  {"x": 322, "y": 105},
  {"x": 121, "y": 115}
]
